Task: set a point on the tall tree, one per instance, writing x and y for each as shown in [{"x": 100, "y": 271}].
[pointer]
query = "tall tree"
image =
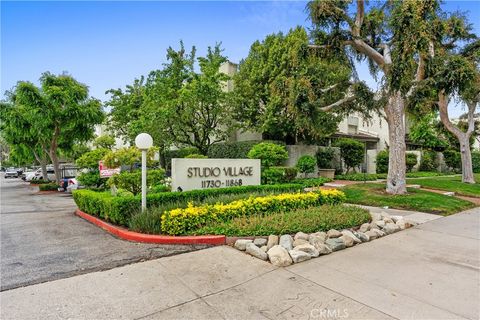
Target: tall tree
[
  {"x": 192, "y": 108},
  {"x": 394, "y": 38},
  {"x": 61, "y": 112},
  {"x": 288, "y": 91}
]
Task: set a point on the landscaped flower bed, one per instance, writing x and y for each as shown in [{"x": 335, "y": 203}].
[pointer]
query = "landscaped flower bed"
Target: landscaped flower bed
[
  {"x": 188, "y": 220},
  {"x": 284, "y": 250}
]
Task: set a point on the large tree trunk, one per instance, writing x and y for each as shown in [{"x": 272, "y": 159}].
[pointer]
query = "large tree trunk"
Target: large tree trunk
[
  {"x": 41, "y": 158},
  {"x": 395, "y": 112},
  {"x": 466, "y": 156},
  {"x": 463, "y": 137},
  {"x": 54, "y": 156}
]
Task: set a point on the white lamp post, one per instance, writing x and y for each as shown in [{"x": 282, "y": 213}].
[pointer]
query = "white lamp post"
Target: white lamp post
[{"x": 144, "y": 141}]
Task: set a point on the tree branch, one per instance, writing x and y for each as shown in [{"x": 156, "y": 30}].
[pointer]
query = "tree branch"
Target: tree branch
[
  {"x": 349, "y": 97},
  {"x": 443, "y": 108}
]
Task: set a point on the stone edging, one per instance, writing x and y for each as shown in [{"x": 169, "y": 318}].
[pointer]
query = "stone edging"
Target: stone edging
[{"x": 125, "y": 234}]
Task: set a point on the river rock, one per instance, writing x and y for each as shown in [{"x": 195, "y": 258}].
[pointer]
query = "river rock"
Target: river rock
[
  {"x": 335, "y": 244},
  {"x": 259, "y": 242},
  {"x": 279, "y": 256},
  {"x": 286, "y": 241},
  {"x": 351, "y": 235},
  {"x": 299, "y": 256},
  {"x": 364, "y": 227},
  {"x": 375, "y": 216},
  {"x": 241, "y": 244},
  {"x": 322, "y": 235},
  {"x": 316, "y": 241},
  {"x": 301, "y": 235},
  {"x": 272, "y": 241},
  {"x": 391, "y": 228},
  {"x": 332, "y": 233},
  {"x": 308, "y": 248},
  {"x": 323, "y": 248},
  {"x": 401, "y": 224},
  {"x": 298, "y": 242},
  {"x": 372, "y": 235},
  {"x": 255, "y": 251},
  {"x": 396, "y": 218},
  {"x": 348, "y": 241},
  {"x": 264, "y": 248},
  {"x": 380, "y": 224},
  {"x": 363, "y": 237},
  {"x": 379, "y": 232},
  {"x": 385, "y": 215}
]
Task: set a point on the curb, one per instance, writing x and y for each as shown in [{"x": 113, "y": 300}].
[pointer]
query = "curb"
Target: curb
[{"x": 125, "y": 234}]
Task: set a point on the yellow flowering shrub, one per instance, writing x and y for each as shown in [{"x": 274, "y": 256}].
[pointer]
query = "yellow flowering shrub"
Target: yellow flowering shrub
[{"x": 184, "y": 220}]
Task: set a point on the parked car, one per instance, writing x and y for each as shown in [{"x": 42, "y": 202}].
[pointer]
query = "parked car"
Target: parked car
[
  {"x": 11, "y": 173},
  {"x": 71, "y": 184},
  {"x": 39, "y": 175}
]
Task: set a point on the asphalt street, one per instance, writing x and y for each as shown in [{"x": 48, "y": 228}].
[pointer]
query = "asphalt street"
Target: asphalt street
[{"x": 42, "y": 239}]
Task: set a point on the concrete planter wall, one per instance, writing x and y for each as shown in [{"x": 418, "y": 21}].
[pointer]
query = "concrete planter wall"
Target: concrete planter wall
[{"x": 326, "y": 173}]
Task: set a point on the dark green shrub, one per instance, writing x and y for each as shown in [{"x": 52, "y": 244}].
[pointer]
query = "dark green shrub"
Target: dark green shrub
[
  {"x": 40, "y": 181},
  {"x": 427, "y": 163},
  {"x": 159, "y": 188},
  {"x": 119, "y": 209},
  {"x": 276, "y": 175},
  {"x": 311, "y": 182},
  {"x": 325, "y": 158},
  {"x": 382, "y": 161},
  {"x": 315, "y": 219},
  {"x": 411, "y": 161},
  {"x": 234, "y": 150},
  {"x": 306, "y": 164},
  {"x": 90, "y": 159},
  {"x": 358, "y": 177},
  {"x": 476, "y": 161},
  {"x": 352, "y": 152},
  {"x": 453, "y": 159},
  {"x": 270, "y": 154},
  {"x": 91, "y": 179},
  {"x": 180, "y": 153},
  {"x": 196, "y": 156},
  {"x": 48, "y": 187},
  {"x": 132, "y": 181}
]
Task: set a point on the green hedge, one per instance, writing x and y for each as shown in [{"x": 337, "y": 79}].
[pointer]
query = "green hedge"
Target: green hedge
[
  {"x": 309, "y": 220},
  {"x": 48, "y": 187},
  {"x": 276, "y": 175},
  {"x": 119, "y": 209},
  {"x": 235, "y": 150},
  {"x": 180, "y": 153},
  {"x": 476, "y": 161},
  {"x": 357, "y": 177}
]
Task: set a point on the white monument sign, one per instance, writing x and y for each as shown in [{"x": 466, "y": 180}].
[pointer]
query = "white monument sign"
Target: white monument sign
[{"x": 191, "y": 174}]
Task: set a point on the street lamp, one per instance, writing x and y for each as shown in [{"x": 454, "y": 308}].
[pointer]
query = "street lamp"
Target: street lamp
[{"x": 144, "y": 141}]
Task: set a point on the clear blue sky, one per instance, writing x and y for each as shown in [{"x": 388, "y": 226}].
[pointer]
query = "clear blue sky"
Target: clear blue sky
[{"x": 107, "y": 44}]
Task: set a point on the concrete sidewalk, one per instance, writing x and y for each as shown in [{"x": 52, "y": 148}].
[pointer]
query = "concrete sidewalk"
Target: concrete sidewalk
[{"x": 427, "y": 272}]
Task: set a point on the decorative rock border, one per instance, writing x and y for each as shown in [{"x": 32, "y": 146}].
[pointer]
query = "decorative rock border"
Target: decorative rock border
[
  {"x": 150, "y": 238},
  {"x": 284, "y": 250}
]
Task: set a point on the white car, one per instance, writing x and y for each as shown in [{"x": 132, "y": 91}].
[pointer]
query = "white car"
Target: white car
[
  {"x": 38, "y": 175},
  {"x": 11, "y": 173}
]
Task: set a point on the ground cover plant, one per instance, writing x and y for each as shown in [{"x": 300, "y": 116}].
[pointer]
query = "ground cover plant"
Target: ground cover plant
[
  {"x": 453, "y": 184},
  {"x": 322, "y": 218},
  {"x": 373, "y": 194},
  {"x": 52, "y": 186},
  {"x": 185, "y": 220}
]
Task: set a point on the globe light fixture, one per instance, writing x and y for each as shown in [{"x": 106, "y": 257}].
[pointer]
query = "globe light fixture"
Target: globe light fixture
[{"x": 144, "y": 141}]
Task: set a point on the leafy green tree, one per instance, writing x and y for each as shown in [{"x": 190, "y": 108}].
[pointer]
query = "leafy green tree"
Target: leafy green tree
[
  {"x": 132, "y": 181},
  {"x": 104, "y": 142},
  {"x": 411, "y": 161},
  {"x": 306, "y": 164},
  {"x": 289, "y": 91},
  {"x": 192, "y": 107},
  {"x": 61, "y": 113},
  {"x": 90, "y": 161},
  {"x": 394, "y": 37},
  {"x": 270, "y": 154},
  {"x": 128, "y": 157},
  {"x": 352, "y": 152}
]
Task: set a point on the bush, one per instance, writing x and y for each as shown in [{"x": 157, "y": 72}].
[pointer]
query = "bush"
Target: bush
[
  {"x": 476, "y": 161},
  {"x": 306, "y": 164},
  {"x": 270, "y": 154},
  {"x": 453, "y": 159},
  {"x": 91, "y": 179},
  {"x": 325, "y": 157},
  {"x": 277, "y": 175},
  {"x": 185, "y": 220},
  {"x": 311, "y": 182},
  {"x": 132, "y": 181},
  {"x": 90, "y": 159},
  {"x": 411, "y": 161},
  {"x": 235, "y": 150},
  {"x": 119, "y": 209},
  {"x": 159, "y": 188},
  {"x": 40, "y": 181},
  {"x": 382, "y": 161},
  {"x": 180, "y": 153},
  {"x": 49, "y": 187},
  {"x": 351, "y": 151},
  {"x": 196, "y": 156},
  {"x": 308, "y": 220},
  {"x": 427, "y": 163}
]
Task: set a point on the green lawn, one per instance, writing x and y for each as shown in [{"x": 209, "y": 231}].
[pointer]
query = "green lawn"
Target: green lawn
[
  {"x": 373, "y": 194},
  {"x": 450, "y": 184}
]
